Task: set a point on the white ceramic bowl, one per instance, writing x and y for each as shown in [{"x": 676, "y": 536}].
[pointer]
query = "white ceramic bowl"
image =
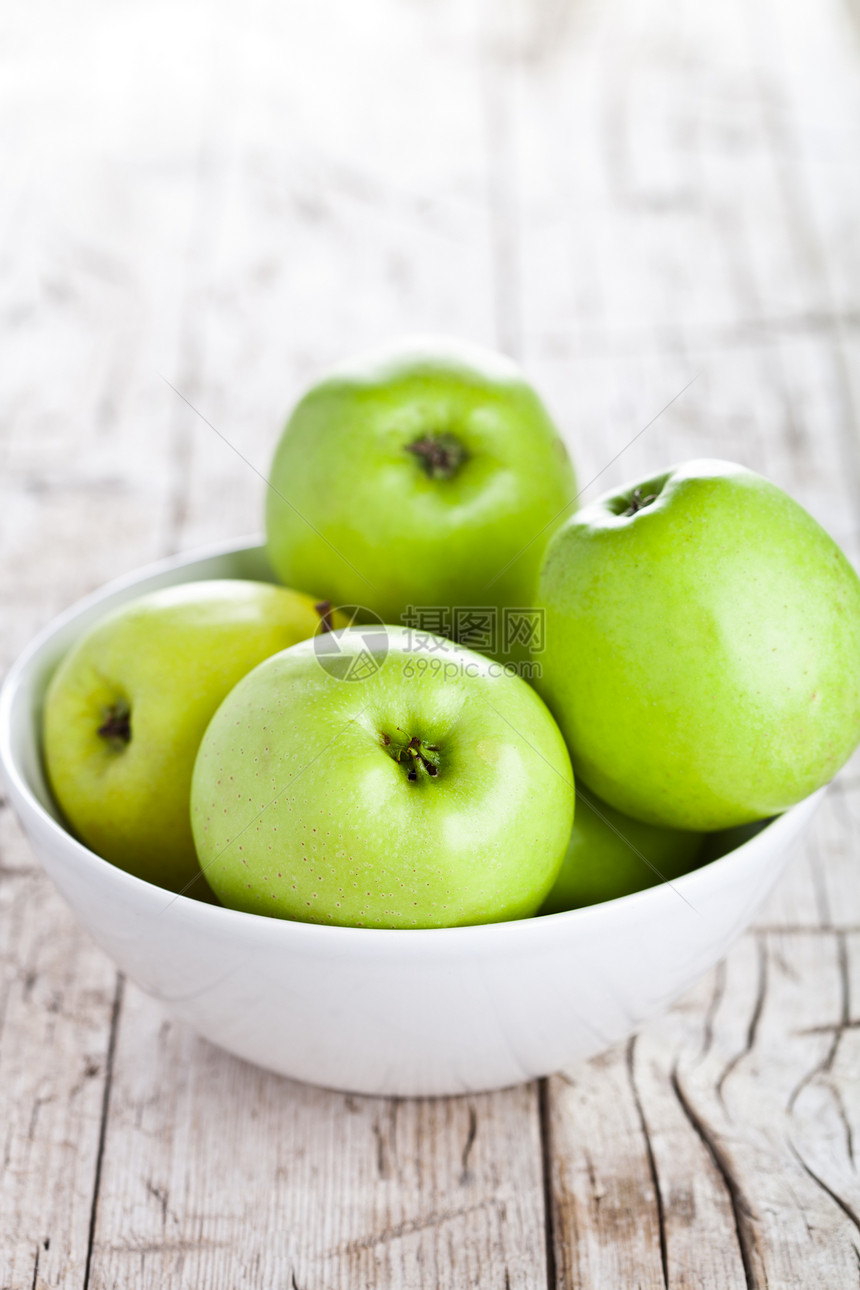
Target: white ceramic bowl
[{"x": 387, "y": 1012}]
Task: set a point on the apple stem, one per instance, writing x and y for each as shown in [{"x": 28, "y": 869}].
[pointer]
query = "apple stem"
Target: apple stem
[
  {"x": 415, "y": 756},
  {"x": 440, "y": 455},
  {"x": 323, "y": 608},
  {"x": 637, "y": 501},
  {"x": 116, "y": 726}
]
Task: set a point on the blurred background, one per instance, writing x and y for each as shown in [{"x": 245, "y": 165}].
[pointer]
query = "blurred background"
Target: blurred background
[
  {"x": 626, "y": 195},
  {"x": 653, "y": 205}
]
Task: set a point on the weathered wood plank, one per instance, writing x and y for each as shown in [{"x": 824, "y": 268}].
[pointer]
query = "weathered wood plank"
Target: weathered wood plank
[
  {"x": 82, "y": 498},
  {"x": 665, "y": 232},
  {"x": 745, "y": 1129},
  {"x": 628, "y": 196},
  {"x": 747, "y": 1099},
  {"x": 214, "y": 1173},
  {"x": 221, "y": 1175},
  {"x": 606, "y": 1211},
  {"x": 56, "y": 995}
]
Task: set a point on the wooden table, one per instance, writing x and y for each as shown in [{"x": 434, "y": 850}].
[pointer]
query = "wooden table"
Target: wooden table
[{"x": 628, "y": 195}]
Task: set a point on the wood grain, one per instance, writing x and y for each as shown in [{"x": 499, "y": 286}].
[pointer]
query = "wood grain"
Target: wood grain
[
  {"x": 687, "y": 221},
  {"x": 203, "y": 1171},
  {"x": 219, "y": 1174},
  {"x": 637, "y": 199}
]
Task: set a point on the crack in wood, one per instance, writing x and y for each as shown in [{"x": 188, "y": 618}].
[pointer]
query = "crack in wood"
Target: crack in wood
[
  {"x": 652, "y": 1162},
  {"x": 410, "y": 1227},
  {"x": 381, "y": 1156},
  {"x": 109, "y": 1060},
  {"x": 38, "y": 1102},
  {"x": 386, "y": 1142},
  {"x": 829, "y": 1027},
  {"x": 187, "y": 1245},
  {"x": 597, "y": 1192},
  {"x": 844, "y": 998},
  {"x": 755, "y": 1018},
  {"x": 838, "y": 1200},
  {"x": 545, "y": 1122},
  {"x": 160, "y": 1195},
  {"x": 465, "y": 1175},
  {"x": 838, "y": 1028},
  {"x": 744, "y": 1218},
  {"x": 819, "y": 886},
  {"x": 713, "y": 1007},
  {"x": 847, "y": 1127}
]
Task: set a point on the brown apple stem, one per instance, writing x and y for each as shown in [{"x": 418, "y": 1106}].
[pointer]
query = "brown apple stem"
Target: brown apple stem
[
  {"x": 440, "y": 455},
  {"x": 323, "y": 608},
  {"x": 116, "y": 726}
]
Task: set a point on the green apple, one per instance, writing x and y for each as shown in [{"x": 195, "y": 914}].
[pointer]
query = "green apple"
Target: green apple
[
  {"x": 702, "y": 647},
  {"x": 436, "y": 791},
  {"x": 427, "y": 474},
  {"x": 611, "y": 855},
  {"x": 126, "y": 710},
  {"x": 720, "y": 844}
]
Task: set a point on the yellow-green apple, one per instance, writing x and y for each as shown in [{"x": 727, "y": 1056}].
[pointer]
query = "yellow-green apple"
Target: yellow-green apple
[
  {"x": 426, "y": 474},
  {"x": 435, "y": 791},
  {"x": 610, "y": 855},
  {"x": 127, "y": 707},
  {"x": 702, "y": 647}
]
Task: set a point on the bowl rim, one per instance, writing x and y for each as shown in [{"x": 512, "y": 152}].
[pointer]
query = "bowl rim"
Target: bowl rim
[{"x": 781, "y": 828}]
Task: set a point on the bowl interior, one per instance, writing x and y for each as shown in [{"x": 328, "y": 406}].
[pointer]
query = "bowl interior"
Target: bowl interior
[
  {"x": 23, "y": 693},
  {"x": 418, "y": 1012}
]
